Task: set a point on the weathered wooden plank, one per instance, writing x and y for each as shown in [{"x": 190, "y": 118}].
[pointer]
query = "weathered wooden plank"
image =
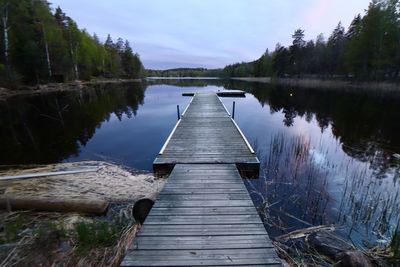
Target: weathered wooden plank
[
  {"x": 200, "y": 173},
  {"x": 196, "y": 184},
  {"x": 203, "y": 182},
  {"x": 202, "y": 179},
  {"x": 204, "y": 176},
  {"x": 188, "y": 262},
  {"x": 205, "y": 210},
  {"x": 201, "y": 230},
  {"x": 193, "y": 171},
  {"x": 206, "y": 243},
  {"x": 202, "y": 219},
  {"x": 202, "y": 197},
  {"x": 243, "y": 254},
  {"x": 204, "y": 203},
  {"x": 206, "y": 257},
  {"x": 203, "y": 160},
  {"x": 186, "y": 175},
  {"x": 206, "y": 167},
  {"x": 179, "y": 191}
]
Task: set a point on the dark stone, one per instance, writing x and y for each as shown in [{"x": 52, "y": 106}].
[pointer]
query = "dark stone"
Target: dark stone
[
  {"x": 64, "y": 247},
  {"x": 354, "y": 259},
  {"x": 328, "y": 244},
  {"x": 141, "y": 209}
]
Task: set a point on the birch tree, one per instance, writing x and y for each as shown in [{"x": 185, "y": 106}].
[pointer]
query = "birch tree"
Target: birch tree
[
  {"x": 4, "y": 22},
  {"x": 74, "y": 39}
]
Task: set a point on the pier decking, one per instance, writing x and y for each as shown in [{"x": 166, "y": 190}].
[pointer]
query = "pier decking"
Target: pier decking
[
  {"x": 206, "y": 134},
  {"x": 204, "y": 215}
]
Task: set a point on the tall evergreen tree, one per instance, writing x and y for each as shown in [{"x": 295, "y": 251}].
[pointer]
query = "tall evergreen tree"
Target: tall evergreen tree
[
  {"x": 370, "y": 49},
  {"x": 39, "y": 45},
  {"x": 335, "y": 46},
  {"x": 297, "y": 51}
]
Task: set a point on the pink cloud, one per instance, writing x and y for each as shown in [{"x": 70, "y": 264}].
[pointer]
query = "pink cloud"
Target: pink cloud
[{"x": 318, "y": 12}]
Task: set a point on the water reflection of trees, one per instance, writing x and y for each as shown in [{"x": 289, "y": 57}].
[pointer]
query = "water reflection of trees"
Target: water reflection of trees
[
  {"x": 366, "y": 123},
  {"x": 297, "y": 190},
  {"x": 51, "y": 127}
]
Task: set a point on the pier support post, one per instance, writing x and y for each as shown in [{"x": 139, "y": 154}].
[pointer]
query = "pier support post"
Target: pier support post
[{"x": 233, "y": 110}]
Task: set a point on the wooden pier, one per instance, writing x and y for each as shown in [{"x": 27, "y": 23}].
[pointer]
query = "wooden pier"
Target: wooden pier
[
  {"x": 204, "y": 215},
  {"x": 206, "y": 133}
]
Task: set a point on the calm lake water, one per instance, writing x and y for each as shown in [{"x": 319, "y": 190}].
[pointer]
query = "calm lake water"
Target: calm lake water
[{"x": 327, "y": 157}]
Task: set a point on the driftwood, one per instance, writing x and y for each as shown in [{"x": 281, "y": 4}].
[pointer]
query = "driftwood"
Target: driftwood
[
  {"x": 97, "y": 206},
  {"x": 304, "y": 232},
  {"x": 44, "y": 174}
]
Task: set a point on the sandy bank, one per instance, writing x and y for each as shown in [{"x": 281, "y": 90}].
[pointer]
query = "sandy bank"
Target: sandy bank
[{"x": 32, "y": 238}]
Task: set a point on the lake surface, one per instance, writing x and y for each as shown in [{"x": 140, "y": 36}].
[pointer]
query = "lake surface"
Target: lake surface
[{"x": 327, "y": 157}]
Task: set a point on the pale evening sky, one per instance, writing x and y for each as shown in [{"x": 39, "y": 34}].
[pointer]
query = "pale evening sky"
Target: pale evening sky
[{"x": 208, "y": 33}]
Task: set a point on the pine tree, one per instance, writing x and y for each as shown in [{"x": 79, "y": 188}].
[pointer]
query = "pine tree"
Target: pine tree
[
  {"x": 39, "y": 45},
  {"x": 335, "y": 46},
  {"x": 297, "y": 51}
]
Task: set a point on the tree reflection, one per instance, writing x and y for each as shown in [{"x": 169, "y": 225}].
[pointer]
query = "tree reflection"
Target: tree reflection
[
  {"x": 364, "y": 122},
  {"x": 51, "y": 127}
]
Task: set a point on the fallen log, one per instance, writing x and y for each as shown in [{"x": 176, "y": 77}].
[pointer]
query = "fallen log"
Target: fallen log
[
  {"x": 97, "y": 206},
  {"x": 142, "y": 208}
]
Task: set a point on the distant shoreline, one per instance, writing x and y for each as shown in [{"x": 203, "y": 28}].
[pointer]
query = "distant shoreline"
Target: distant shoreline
[
  {"x": 310, "y": 83},
  {"x": 57, "y": 87},
  {"x": 326, "y": 84}
]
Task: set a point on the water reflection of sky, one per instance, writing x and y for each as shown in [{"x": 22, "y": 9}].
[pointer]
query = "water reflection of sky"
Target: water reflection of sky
[
  {"x": 133, "y": 126},
  {"x": 326, "y": 155}
]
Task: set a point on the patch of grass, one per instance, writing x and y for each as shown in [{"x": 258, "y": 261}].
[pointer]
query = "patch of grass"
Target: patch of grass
[
  {"x": 49, "y": 233},
  {"x": 12, "y": 229},
  {"x": 97, "y": 233},
  {"x": 52, "y": 227},
  {"x": 395, "y": 244}
]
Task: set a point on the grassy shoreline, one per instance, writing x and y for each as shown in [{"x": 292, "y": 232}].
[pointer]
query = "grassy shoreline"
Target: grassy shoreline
[{"x": 58, "y": 87}]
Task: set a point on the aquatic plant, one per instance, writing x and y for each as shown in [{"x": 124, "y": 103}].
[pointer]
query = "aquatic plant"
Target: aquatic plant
[{"x": 301, "y": 186}]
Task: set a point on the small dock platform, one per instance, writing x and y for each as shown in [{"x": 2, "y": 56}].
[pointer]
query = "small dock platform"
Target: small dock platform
[
  {"x": 227, "y": 93},
  {"x": 204, "y": 215}
]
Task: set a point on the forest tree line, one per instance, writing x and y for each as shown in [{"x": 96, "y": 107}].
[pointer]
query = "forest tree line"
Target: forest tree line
[
  {"x": 184, "y": 72},
  {"x": 39, "y": 45},
  {"x": 369, "y": 49}
]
